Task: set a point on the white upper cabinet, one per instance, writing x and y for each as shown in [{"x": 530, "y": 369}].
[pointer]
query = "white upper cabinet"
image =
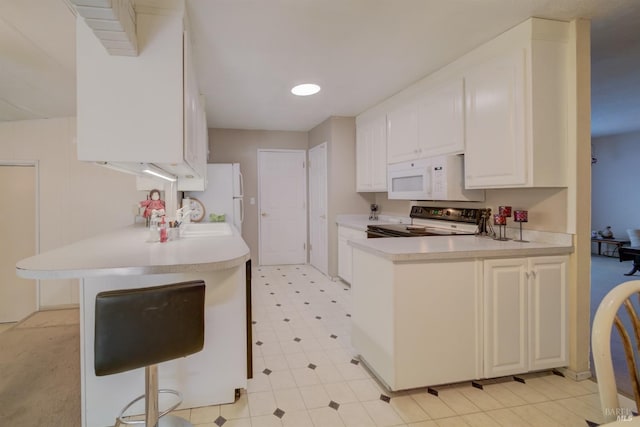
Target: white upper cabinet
[
  {"x": 503, "y": 105},
  {"x": 495, "y": 123},
  {"x": 402, "y": 133},
  {"x": 142, "y": 109},
  {"x": 441, "y": 120},
  {"x": 516, "y": 109},
  {"x": 195, "y": 125},
  {"x": 371, "y": 154},
  {"x": 431, "y": 124}
]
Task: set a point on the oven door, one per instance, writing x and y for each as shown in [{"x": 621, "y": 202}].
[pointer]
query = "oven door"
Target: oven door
[
  {"x": 374, "y": 231},
  {"x": 410, "y": 180},
  {"x": 374, "y": 234}
]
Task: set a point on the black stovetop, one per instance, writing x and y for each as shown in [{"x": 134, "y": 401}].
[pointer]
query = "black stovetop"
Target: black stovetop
[{"x": 447, "y": 216}]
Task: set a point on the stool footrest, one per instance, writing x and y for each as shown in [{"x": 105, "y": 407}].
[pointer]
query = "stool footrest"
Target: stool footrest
[
  {"x": 121, "y": 416},
  {"x": 168, "y": 421}
]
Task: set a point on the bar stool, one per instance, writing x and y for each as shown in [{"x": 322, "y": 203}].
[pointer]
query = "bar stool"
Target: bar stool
[{"x": 142, "y": 327}]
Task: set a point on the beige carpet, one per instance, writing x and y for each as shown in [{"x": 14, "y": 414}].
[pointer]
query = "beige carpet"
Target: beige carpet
[{"x": 40, "y": 371}]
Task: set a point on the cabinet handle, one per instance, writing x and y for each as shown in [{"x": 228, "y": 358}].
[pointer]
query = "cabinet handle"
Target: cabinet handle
[
  {"x": 533, "y": 274},
  {"x": 527, "y": 274}
]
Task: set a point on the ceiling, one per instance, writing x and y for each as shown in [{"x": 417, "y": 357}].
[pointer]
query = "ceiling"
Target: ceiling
[{"x": 249, "y": 53}]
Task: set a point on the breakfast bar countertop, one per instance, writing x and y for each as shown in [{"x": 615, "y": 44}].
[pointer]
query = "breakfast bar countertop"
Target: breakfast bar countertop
[
  {"x": 127, "y": 252},
  {"x": 431, "y": 248}
]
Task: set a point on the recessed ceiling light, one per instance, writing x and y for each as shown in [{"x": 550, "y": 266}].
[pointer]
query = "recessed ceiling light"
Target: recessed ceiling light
[{"x": 305, "y": 89}]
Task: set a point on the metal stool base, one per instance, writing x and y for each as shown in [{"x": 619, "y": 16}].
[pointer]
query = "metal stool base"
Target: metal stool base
[
  {"x": 152, "y": 415},
  {"x": 166, "y": 421}
]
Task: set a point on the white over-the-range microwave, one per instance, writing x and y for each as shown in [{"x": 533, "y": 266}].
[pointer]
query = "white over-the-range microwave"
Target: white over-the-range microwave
[{"x": 434, "y": 178}]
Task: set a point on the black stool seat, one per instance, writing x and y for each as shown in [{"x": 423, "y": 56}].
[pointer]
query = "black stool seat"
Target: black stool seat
[{"x": 142, "y": 327}]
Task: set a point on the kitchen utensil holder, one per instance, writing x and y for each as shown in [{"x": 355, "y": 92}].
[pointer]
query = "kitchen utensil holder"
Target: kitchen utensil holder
[{"x": 484, "y": 225}]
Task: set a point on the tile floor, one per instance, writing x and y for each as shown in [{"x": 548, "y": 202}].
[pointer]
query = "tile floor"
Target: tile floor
[{"x": 307, "y": 374}]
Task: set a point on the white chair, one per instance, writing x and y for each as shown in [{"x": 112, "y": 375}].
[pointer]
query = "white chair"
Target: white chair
[
  {"x": 634, "y": 236},
  {"x": 607, "y": 316}
]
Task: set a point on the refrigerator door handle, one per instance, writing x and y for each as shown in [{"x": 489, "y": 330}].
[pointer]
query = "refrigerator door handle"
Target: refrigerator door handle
[
  {"x": 241, "y": 185},
  {"x": 241, "y": 210}
]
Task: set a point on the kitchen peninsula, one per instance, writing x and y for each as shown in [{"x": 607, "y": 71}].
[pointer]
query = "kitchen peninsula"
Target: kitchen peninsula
[
  {"x": 122, "y": 260},
  {"x": 438, "y": 309}
]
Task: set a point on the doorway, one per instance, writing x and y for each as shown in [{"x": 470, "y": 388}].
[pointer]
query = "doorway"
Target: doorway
[
  {"x": 18, "y": 186},
  {"x": 282, "y": 207},
  {"x": 318, "y": 255}
]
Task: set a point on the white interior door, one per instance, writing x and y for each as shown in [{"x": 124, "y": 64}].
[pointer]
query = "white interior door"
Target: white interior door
[
  {"x": 282, "y": 197},
  {"x": 318, "y": 238},
  {"x": 18, "y": 297}
]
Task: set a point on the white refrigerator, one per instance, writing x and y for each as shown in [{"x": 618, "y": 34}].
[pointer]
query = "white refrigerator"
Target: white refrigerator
[{"x": 223, "y": 194}]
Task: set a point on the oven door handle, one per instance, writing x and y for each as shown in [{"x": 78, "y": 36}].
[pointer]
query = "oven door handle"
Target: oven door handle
[{"x": 371, "y": 234}]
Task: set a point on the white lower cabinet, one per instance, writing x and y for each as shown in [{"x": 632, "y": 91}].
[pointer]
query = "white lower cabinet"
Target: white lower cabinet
[
  {"x": 417, "y": 324},
  {"x": 345, "y": 251},
  {"x": 428, "y": 323},
  {"x": 525, "y": 319}
]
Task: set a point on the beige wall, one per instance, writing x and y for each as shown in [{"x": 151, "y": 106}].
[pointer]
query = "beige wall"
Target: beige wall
[
  {"x": 76, "y": 200},
  {"x": 579, "y": 198},
  {"x": 392, "y": 207},
  {"x": 241, "y": 146},
  {"x": 547, "y": 206},
  {"x": 340, "y": 135}
]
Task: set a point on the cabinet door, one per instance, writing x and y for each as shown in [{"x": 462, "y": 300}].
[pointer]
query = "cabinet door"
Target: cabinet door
[
  {"x": 505, "y": 321},
  {"x": 402, "y": 134},
  {"x": 378, "y": 150},
  {"x": 345, "y": 258},
  {"x": 191, "y": 106},
  {"x": 131, "y": 109},
  {"x": 364, "y": 152},
  {"x": 441, "y": 120},
  {"x": 548, "y": 305},
  {"x": 345, "y": 252},
  {"x": 371, "y": 155},
  {"x": 495, "y": 127}
]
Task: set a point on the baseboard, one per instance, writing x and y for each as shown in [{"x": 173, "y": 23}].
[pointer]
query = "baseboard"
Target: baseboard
[
  {"x": 625, "y": 402},
  {"x": 576, "y": 376},
  {"x": 58, "y": 307}
]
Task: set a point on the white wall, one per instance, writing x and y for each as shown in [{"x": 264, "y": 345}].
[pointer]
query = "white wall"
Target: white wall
[
  {"x": 615, "y": 178},
  {"x": 76, "y": 200}
]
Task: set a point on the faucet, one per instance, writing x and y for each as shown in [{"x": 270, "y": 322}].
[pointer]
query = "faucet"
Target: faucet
[{"x": 183, "y": 215}]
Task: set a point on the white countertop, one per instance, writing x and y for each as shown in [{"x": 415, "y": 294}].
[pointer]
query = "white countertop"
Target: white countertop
[
  {"x": 126, "y": 252},
  {"x": 408, "y": 249},
  {"x": 360, "y": 222}
]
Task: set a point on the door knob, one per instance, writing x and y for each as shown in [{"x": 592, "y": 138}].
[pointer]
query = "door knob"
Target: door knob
[{"x": 264, "y": 214}]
